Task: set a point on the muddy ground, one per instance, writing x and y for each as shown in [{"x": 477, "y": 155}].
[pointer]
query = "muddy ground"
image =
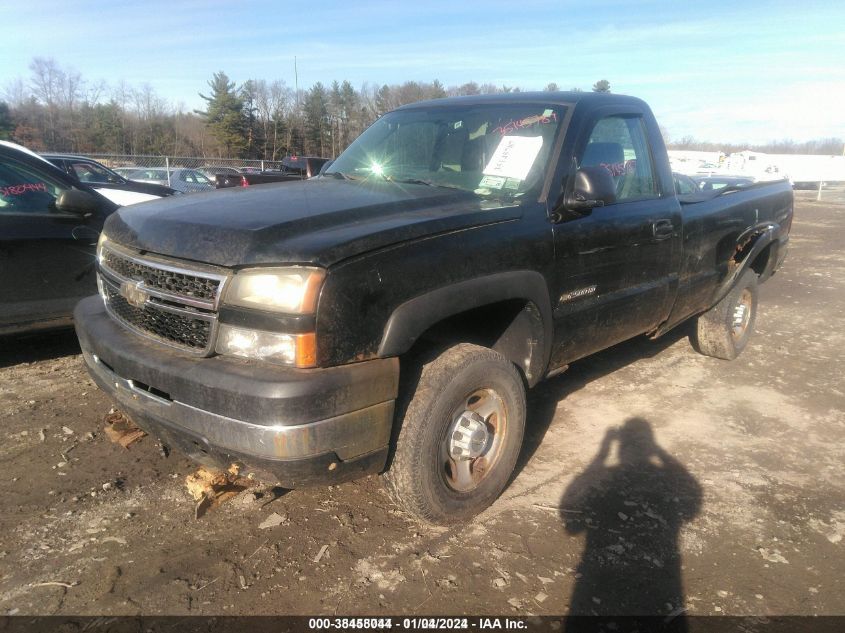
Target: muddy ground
[{"x": 722, "y": 490}]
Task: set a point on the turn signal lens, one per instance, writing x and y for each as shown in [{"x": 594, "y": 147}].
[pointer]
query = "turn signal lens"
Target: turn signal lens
[{"x": 298, "y": 350}]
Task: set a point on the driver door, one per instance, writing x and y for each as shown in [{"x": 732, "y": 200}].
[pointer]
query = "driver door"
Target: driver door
[
  {"x": 616, "y": 264},
  {"x": 46, "y": 256}
]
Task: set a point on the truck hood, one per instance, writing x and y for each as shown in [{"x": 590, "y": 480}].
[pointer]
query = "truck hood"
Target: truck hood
[{"x": 320, "y": 221}]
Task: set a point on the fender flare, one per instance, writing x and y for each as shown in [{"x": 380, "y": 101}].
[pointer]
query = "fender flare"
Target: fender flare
[
  {"x": 413, "y": 317},
  {"x": 766, "y": 235}
]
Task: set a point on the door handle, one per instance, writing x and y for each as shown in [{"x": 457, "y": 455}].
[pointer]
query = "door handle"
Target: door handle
[{"x": 662, "y": 230}]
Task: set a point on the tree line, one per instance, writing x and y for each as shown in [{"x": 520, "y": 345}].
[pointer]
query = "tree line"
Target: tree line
[
  {"x": 826, "y": 146},
  {"x": 56, "y": 109}
]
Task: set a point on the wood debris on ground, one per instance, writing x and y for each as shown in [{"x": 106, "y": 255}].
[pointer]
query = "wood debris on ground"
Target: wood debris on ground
[
  {"x": 210, "y": 487},
  {"x": 121, "y": 430}
]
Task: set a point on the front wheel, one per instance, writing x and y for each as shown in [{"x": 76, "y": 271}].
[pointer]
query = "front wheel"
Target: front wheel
[
  {"x": 724, "y": 330},
  {"x": 460, "y": 436}
]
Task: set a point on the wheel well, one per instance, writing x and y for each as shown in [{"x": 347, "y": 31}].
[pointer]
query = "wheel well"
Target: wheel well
[
  {"x": 762, "y": 260},
  {"x": 744, "y": 249},
  {"x": 513, "y": 327}
]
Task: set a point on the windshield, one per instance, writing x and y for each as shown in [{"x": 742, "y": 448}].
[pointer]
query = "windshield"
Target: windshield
[{"x": 490, "y": 150}]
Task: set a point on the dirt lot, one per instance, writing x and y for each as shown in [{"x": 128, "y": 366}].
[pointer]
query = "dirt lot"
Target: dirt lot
[{"x": 722, "y": 490}]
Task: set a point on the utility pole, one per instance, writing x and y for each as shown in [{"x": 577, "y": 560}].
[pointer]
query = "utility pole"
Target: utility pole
[
  {"x": 296, "y": 92},
  {"x": 296, "y": 82}
]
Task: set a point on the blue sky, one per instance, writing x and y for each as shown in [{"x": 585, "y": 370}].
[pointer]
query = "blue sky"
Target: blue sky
[{"x": 723, "y": 71}]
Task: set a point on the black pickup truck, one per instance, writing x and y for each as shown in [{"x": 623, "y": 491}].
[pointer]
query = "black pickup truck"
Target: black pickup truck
[{"x": 389, "y": 315}]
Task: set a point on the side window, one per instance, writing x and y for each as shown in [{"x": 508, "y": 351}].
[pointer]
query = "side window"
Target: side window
[
  {"x": 23, "y": 189},
  {"x": 619, "y": 144},
  {"x": 88, "y": 172}
]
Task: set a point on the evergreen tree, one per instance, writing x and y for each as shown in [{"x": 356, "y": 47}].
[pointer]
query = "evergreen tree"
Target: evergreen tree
[
  {"x": 383, "y": 100},
  {"x": 437, "y": 90},
  {"x": 602, "y": 85},
  {"x": 317, "y": 123},
  {"x": 6, "y": 124},
  {"x": 225, "y": 116},
  {"x": 255, "y": 133}
]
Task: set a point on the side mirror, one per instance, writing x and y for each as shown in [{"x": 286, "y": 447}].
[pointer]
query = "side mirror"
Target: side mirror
[
  {"x": 594, "y": 187},
  {"x": 77, "y": 202}
]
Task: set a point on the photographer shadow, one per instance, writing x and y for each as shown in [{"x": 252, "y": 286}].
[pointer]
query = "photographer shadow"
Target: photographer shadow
[{"x": 631, "y": 514}]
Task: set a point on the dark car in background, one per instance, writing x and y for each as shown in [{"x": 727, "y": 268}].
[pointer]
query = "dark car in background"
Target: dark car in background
[
  {"x": 292, "y": 168},
  {"x": 304, "y": 166},
  {"x": 49, "y": 226},
  {"x": 109, "y": 183},
  {"x": 212, "y": 171}
]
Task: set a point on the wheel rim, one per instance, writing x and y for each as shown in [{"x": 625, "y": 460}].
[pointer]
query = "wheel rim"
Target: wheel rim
[
  {"x": 741, "y": 314},
  {"x": 473, "y": 443}
]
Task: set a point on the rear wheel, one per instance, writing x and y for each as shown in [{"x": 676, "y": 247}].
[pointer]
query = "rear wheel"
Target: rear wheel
[
  {"x": 460, "y": 436},
  {"x": 724, "y": 330}
]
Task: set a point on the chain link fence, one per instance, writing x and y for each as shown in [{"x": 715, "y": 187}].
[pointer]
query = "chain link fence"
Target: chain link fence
[
  {"x": 176, "y": 162},
  {"x": 126, "y": 164}
]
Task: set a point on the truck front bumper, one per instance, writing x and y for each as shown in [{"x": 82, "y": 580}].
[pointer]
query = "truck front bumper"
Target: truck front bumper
[{"x": 294, "y": 426}]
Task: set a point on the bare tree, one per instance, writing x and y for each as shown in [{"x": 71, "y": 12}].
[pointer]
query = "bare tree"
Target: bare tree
[{"x": 47, "y": 79}]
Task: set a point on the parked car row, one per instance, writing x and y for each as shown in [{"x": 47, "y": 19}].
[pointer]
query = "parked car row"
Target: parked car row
[
  {"x": 128, "y": 185},
  {"x": 117, "y": 188}
]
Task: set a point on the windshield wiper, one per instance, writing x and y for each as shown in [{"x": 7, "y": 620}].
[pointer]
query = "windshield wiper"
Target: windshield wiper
[
  {"x": 420, "y": 181},
  {"x": 339, "y": 175}
]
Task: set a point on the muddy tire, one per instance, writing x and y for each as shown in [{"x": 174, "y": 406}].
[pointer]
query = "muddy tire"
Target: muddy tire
[
  {"x": 460, "y": 437},
  {"x": 724, "y": 330}
]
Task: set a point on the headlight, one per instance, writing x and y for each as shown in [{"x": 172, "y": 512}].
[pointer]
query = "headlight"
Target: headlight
[
  {"x": 284, "y": 349},
  {"x": 100, "y": 243},
  {"x": 290, "y": 290}
]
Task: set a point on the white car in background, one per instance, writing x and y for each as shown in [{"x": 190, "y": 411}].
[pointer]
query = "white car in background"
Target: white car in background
[{"x": 181, "y": 179}]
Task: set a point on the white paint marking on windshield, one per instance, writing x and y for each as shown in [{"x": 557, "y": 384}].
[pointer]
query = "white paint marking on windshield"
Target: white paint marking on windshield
[{"x": 514, "y": 157}]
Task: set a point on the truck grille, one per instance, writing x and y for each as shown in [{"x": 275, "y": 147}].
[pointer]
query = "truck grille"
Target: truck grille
[
  {"x": 170, "y": 304},
  {"x": 183, "y": 330},
  {"x": 167, "y": 280}
]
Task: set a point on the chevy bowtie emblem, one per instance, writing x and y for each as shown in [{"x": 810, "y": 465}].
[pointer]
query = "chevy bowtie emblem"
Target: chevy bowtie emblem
[{"x": 133, "y": 293}]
